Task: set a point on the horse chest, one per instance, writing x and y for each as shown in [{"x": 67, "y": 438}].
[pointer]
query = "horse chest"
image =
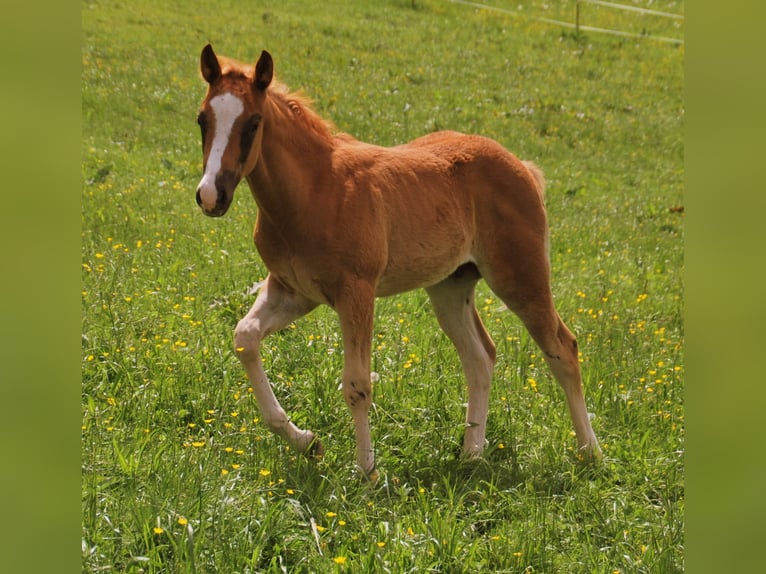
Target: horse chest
[{"x": 299, "y": 271}]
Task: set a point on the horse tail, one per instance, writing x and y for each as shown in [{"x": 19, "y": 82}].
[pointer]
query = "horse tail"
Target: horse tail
[{"x": 538, "y": 176}]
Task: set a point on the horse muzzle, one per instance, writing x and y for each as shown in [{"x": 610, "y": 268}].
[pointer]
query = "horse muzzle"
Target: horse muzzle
[{"x": 214, "y": 196}]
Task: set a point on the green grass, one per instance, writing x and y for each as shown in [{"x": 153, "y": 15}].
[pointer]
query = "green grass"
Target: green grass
[{"x": 178, "y": 473}]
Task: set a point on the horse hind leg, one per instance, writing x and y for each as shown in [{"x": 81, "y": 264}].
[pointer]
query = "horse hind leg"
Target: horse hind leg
[
  {"x": 515, "y": 263},
  {"x": 274, "y": 308},
  {"x": 531, "y": 299},
  {"x": 560, "y": 350},
  {"x": 453, "y": 303}
]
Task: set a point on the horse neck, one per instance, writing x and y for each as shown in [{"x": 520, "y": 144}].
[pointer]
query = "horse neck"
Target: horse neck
[{"x": 293, "y": 158}]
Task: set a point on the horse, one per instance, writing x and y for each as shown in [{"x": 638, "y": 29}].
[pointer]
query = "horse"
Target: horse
[{"x": 341, "y": 222}]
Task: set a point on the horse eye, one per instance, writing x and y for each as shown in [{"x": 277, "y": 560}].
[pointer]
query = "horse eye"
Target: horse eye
[
  {"x": 253, "y": 123},
  {"x": 202, "y": 121},
  {"x": 247, "y": 136}
]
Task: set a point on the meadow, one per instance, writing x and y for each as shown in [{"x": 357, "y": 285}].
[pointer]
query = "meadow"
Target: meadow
[{"x": 178, "y": 473}]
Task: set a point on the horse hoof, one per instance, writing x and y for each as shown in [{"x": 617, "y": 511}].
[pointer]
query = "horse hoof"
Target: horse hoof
[
  {"x": 590, "y": 454},
  {"x": 315, "y": 449},
  {"x": 372, "y": 476},
  {"x": 471, "y": 455}
]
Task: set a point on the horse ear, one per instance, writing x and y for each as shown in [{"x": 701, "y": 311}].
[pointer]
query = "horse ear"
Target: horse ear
[
  {"x": 208, "y": 65},
  {"x": 264, "y": 71}
]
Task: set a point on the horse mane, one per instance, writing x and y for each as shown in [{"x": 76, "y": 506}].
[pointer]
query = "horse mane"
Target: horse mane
[
  {"x": 295, "y": 104},
  {"x": 232, "y": 67},
  {"x": 300, "y": 106}
]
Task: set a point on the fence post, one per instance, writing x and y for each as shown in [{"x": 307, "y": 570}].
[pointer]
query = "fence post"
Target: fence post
[{"x": 577, "y": 18}]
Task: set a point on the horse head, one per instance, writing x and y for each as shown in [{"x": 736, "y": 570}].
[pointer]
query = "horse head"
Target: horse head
[{"x": 230, "y": 121}]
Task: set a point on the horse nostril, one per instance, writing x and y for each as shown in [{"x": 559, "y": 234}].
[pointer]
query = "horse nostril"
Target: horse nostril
[{"x": 199, "y": 198}]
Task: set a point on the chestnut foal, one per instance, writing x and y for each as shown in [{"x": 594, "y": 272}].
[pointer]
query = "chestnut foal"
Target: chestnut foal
[{"x": 341, "y": 222}]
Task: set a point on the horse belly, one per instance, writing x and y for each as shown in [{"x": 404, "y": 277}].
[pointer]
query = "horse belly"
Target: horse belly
[
  {"x": 393, "y": 283},
  {"x": 423, "y": 261}
]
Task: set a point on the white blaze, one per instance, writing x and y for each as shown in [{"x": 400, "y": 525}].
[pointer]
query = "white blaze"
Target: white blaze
[{"x": 226, "y": 109}]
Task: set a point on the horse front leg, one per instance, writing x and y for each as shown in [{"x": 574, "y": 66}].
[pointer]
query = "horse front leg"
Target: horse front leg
[
  {"x": 355, "y": 308},
  {"x": 274, "y": 308}
]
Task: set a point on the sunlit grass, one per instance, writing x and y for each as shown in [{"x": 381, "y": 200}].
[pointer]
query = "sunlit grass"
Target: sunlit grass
[{"x": 179, "y": 473}]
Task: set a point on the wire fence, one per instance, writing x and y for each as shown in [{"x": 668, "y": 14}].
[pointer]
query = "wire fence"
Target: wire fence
[{"x": 578, "y": 26}]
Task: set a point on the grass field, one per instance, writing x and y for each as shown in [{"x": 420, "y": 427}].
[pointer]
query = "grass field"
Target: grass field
[{"x": 178, "y": 473}]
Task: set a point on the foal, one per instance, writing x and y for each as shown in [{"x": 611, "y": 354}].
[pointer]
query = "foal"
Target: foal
[{"x": 341, "y": 222}]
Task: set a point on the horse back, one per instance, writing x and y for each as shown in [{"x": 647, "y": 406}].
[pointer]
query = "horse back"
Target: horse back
[{"x": 438, "y": 202}]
